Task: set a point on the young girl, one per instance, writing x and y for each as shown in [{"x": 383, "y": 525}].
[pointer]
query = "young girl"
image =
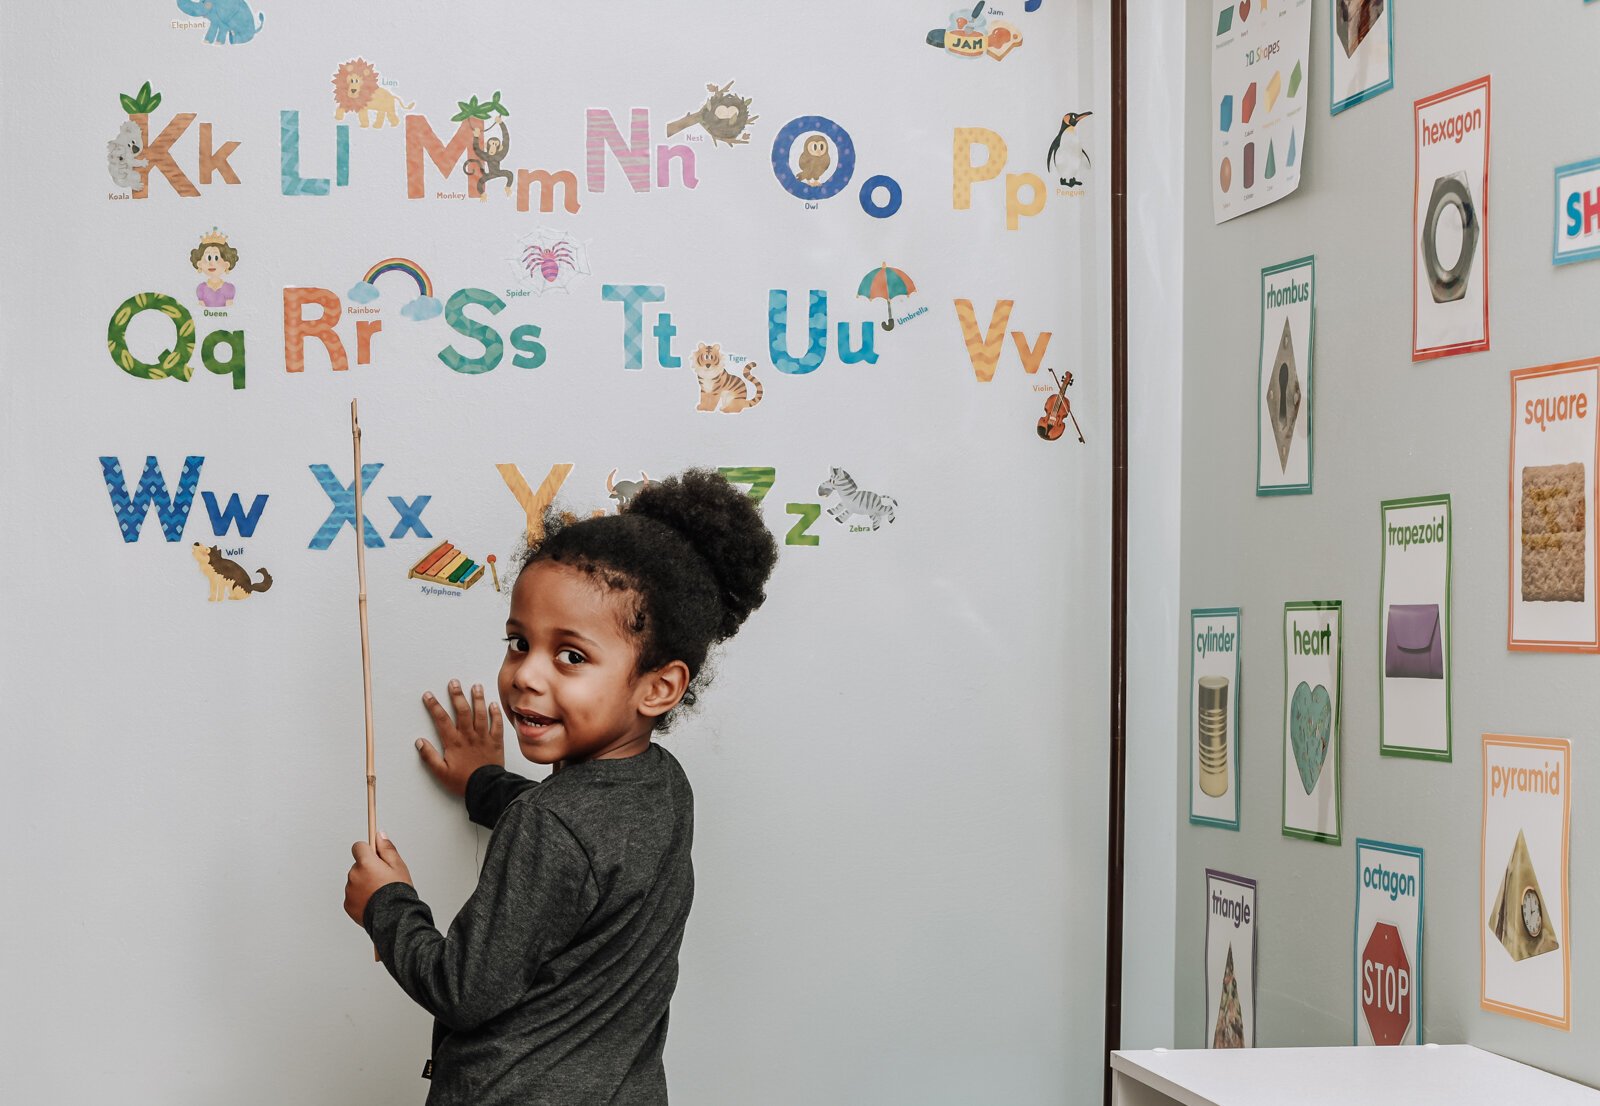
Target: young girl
[{"x": 553, "y": 983}]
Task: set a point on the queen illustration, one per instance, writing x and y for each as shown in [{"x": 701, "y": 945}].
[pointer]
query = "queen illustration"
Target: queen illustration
[{"x": 214, "y": 259}]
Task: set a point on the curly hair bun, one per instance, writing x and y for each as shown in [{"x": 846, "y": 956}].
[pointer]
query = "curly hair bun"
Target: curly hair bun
[{"x": 723, "y": 526}]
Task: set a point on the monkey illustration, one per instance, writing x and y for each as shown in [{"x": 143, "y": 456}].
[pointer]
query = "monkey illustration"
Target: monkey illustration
[
  {"x": 490, "y": 155},
  {"x": 815, "y": 158},
  {"x": 724, "y": 116}
]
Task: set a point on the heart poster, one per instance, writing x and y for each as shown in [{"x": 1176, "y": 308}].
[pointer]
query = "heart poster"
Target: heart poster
[{"x": 1313, "y": 651}]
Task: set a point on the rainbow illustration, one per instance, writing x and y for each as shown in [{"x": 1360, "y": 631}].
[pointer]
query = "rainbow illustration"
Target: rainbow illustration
[
  {"x": 401, "y": 265},
  {"x": 425, "y": 306}
]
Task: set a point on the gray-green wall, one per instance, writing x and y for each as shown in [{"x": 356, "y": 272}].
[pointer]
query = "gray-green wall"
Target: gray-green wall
[{"x": 1384, "y": 428}]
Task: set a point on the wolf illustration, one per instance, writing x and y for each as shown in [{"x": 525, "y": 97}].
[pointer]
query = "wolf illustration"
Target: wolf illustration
[{"x": 228, "y": 579}]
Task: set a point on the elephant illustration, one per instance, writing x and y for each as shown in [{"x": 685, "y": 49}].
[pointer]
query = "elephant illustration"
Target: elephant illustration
[{"x": 230, "y": 19}]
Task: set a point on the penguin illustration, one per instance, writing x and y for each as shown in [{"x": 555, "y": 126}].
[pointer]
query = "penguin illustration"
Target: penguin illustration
[{"x": 1067, "y": 149}]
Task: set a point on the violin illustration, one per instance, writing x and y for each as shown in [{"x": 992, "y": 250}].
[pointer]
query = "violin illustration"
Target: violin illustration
[{"x": 1057, "y": 410}]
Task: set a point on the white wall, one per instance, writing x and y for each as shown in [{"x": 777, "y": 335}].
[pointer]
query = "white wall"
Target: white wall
[
  {"x": 901, "y": 770},
  {"x": 1155, "y": 438}
]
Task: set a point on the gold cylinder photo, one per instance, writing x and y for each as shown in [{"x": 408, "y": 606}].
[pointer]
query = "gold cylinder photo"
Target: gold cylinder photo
[{"x": 1213, "y": 736}]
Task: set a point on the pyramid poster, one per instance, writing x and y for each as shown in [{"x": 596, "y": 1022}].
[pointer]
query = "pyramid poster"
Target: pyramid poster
[{"x": 1525, "y": 919}]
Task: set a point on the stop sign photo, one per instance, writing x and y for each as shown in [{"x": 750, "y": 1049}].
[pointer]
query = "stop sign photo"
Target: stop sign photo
[{"x": 1386, "y": 985}]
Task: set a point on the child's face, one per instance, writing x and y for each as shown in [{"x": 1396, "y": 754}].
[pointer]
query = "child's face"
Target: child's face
[{"x": 569, "y": 684}]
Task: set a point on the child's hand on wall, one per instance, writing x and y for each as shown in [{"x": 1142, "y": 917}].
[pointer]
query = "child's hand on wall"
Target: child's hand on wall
[
  {"x": 371, "y": 871},
  {"x": 476, "y": 737}
]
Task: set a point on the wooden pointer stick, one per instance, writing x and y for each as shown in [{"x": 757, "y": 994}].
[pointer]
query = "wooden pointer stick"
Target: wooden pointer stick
[{"x": 366, "y": 657}]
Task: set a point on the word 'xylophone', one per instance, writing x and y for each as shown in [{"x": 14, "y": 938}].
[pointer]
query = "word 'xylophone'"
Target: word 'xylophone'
[{"x": 447, "y": 565}]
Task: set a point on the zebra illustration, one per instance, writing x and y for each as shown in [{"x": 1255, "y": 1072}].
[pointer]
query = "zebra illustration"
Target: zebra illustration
[{"x": 855, "y": 501}]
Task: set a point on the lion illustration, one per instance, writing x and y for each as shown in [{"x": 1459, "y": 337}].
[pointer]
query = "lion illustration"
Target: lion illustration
[{"x": 356, "y": 88}]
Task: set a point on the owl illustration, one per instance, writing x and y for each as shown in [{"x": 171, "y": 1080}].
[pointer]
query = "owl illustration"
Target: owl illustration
[{"x": 815, "y": 158}]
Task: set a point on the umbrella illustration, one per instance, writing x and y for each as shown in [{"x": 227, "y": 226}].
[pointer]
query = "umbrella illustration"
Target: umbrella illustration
[{"x": 884, "y": 283}]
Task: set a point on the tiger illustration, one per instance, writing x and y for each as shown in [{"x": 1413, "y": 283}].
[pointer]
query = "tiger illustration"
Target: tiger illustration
[
  {"x": 856, "y": 501},
  {"x": 719, "y": 386}
]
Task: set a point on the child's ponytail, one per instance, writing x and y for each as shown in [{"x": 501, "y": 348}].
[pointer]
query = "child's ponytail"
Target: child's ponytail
[{"x": 694, "y": 552}]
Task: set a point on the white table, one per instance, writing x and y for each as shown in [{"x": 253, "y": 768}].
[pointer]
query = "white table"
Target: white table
[{"x": 1429, "y": 1075}]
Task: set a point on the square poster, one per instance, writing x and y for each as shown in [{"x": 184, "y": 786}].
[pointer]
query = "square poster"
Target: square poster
[
  {"x": 1214, "y": 717},
  {"x": 1450, "y": 223},
  {"x": 1313, "y": 663},
  {"x": 1525, "y": 928},
  {"x": 1388, "y": 948},
  {"x": 1414, "y": 628},
  {"x": 1260, "y": 66},
  {"x": 1230, "y": 1011},
  {"x": 1283, "y": 378},
  {"x": 1361, "y": 49},
  {"x": 1554, "y": 454}
]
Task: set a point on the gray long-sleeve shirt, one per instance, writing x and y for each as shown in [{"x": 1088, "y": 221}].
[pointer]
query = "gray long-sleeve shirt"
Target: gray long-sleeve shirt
[{"x": 553, "y": 983}]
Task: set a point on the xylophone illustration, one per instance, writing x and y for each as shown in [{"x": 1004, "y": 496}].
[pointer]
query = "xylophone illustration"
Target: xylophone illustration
[{"x": 447, "y": 565}]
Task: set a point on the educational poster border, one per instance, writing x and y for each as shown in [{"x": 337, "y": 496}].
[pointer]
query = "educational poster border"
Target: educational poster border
[
  {"x": 1497, "y": 1006},
  {"x": 1476, "y": 345},
  {"x": 1238, "y": 715},
  {"x": 1556, "y": 256},
  {"x": 1385, "y": 749},
  {"x": 1355, "y": 927},
  {"x": 1365, "y": 94},
  {"x": 1310, "y": 389},
  {"x": 1337, "y": 837},
  {"x": 1513, "y": 644}
]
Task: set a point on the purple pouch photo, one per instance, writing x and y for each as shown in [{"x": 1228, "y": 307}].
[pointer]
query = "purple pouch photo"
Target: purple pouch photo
[{"x": 1414, "y": 650}]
